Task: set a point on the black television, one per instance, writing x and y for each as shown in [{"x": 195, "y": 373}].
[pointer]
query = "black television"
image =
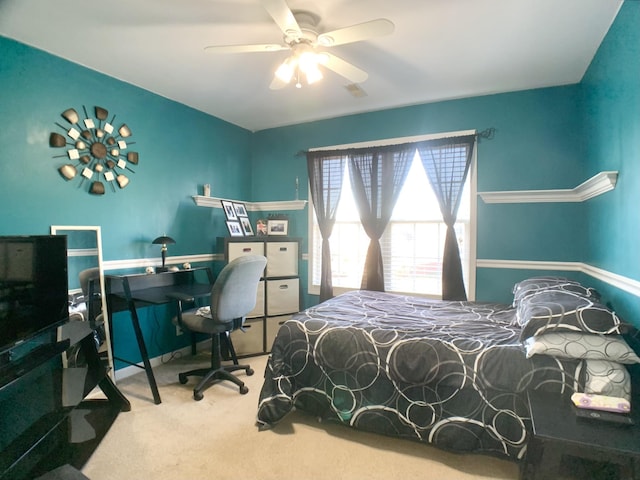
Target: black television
[{"x": 33, "y": 287}]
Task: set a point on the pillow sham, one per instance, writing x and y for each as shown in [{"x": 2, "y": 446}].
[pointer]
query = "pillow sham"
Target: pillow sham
[
  {"x": 526, "y": 288},
  {"x": 556, "y": 310},
  {"x": 607, "y": 378},
  {"x": 581, "y": 346}
]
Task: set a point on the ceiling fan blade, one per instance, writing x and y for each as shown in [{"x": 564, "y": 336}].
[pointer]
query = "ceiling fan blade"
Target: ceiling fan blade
[
  {"x": 344, "y": 69},
  {"x": 357, "y": 33},
  {"x": 267, "y": 47},
  {"x": 283, "y": 16}
]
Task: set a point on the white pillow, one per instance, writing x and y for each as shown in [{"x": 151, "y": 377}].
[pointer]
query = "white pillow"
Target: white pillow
[{"x": 581, "y": 346}]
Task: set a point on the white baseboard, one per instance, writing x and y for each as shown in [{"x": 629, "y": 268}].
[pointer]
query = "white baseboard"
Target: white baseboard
[{"x": 157, "y": 361}]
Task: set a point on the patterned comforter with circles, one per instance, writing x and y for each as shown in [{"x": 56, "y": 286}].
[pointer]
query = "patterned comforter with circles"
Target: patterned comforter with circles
[{"x": 453, "y": 374}]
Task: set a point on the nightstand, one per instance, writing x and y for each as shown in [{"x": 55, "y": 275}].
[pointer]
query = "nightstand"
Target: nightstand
[{"x": 557, "y": 431}]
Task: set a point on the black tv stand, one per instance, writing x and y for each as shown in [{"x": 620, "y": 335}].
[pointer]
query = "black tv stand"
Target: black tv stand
[
  {"x": 47, "y": 421},
  {"x": 11, "y": 371}
]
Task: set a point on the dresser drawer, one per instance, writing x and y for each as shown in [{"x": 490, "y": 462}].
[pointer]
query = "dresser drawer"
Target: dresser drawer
[
  {"x": 238, "y": 249},
  {"x": 273, "y": 325},
  {"x": 282, "y": 259},
  {"x": 283, "y": 296},
  {"x": 258, "y": 311},
  {"x": 251, "y": 341}
]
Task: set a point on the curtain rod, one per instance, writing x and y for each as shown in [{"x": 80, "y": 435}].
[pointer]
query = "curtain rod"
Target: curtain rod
[{"x": 486, "y": 134}]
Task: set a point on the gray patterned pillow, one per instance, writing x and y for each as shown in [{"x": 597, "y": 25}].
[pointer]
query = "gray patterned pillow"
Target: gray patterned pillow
[
  {"x": 607, "y": 378},
  {"x": 556, "y": 310},
  {"x": 530, "y": 286},
  {"x": 581, "y": 346}
]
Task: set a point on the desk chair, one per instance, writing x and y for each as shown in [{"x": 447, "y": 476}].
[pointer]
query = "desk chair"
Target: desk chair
[{"x": 233, "y": 296}]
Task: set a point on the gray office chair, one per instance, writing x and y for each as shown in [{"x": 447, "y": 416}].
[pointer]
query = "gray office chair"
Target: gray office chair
[{"x": 233, "y": 296}]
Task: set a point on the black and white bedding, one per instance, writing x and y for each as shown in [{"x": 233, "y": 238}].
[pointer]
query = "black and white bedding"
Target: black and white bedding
[{"x": 453, "y": 374}]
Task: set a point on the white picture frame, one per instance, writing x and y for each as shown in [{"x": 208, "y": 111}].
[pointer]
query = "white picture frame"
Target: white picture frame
[{"x": 277, "y": 227}]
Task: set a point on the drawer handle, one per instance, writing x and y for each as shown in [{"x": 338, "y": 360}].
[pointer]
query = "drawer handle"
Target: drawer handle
[
  {"x": 283, "y": 287},
  {"x": 283, "y": 249},
  {"x": 246, "y": 249}
]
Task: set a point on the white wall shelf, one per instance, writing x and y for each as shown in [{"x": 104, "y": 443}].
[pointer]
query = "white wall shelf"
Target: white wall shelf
[
  {"x": 596, "y": 185},
  {"x": 215, "y": 202}
]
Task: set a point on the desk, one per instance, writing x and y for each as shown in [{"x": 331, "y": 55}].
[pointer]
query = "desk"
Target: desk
[{"x": 130, "y": 292}]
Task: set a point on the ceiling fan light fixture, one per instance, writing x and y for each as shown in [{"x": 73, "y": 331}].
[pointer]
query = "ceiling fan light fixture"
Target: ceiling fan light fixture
[
  {"x": 313, "y": 74},
  {"x": 322, "y": 58},
  {"x": 286, "y": 70},
  {"x": 301, "y": 37},
  {"x": 307, "y": 61}
]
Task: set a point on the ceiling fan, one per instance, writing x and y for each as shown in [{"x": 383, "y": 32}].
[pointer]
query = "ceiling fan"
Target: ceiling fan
[{"x": 307, "y": 45}]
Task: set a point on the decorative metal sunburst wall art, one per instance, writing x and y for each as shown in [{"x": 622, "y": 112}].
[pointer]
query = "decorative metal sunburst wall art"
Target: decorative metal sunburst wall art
[{"x": 96, "y": 151}]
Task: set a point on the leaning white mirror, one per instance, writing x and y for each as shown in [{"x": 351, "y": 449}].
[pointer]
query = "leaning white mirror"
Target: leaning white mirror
[{"x": 87, "y": 299}]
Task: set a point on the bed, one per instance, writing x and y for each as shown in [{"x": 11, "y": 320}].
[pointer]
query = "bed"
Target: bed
[{"x": 451, "y": 374}]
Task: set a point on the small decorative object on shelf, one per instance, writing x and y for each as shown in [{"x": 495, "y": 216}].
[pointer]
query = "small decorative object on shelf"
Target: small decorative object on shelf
[
  {"x": 96, "y": 150},
  {"x": 206, "y": 190},
  {"x": 261, "y": 227}
]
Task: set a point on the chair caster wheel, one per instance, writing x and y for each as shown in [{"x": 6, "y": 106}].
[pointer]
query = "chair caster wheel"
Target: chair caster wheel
[
  {"x": 244, "y": 390},
  {"x": 182, "y": 378},
  {"x": 197, "y": 396},
  {"x": 249, "y": 372}
]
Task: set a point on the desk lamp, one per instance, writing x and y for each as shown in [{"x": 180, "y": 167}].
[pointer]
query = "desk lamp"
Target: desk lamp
[{"x": 164, "y": 241}]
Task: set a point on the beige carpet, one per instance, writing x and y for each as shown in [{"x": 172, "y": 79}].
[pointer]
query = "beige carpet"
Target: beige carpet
[{"x": 217, "y": 439}]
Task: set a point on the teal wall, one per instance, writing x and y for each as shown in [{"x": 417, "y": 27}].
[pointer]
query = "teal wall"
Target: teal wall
[
  {"x": 611, "y": 112},
  {"x": 537, "y": 145},
  {"x": 545, "y": 139},
  {"x": 180, "y": 149}
]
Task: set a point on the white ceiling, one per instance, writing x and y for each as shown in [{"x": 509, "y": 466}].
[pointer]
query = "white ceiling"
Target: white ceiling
[{"x": 440, "y": 50}]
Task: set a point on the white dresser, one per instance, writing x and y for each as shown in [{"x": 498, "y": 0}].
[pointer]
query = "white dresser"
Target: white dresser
[{"x": 278, "y": 292}]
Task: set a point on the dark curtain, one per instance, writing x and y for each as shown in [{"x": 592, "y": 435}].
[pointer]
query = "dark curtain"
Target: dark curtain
[
  {"x": 446, "y": 162},
  {"x": 377, "y": 175},
  {"x": 326, "y": 171}
]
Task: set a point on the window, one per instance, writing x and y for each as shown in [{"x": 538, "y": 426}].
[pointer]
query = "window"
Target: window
[{"x": 412, "y": 245}]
